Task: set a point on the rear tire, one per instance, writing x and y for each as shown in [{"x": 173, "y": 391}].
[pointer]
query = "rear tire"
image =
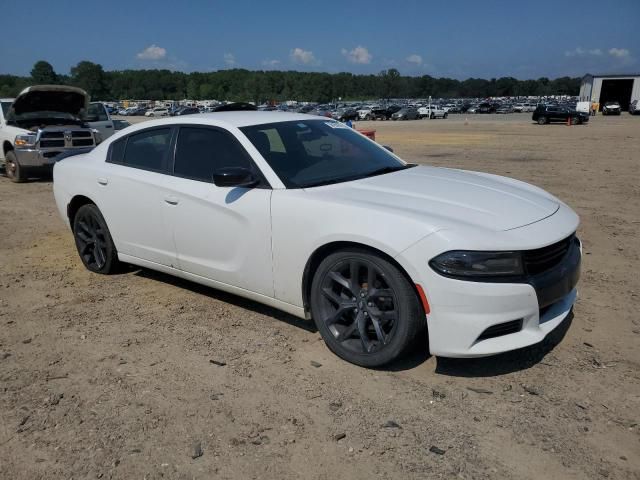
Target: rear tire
[
  {"x": 14, "y": 171},
  {"x": 365, "y": 308},
  {"x": 93, "y": 241}
]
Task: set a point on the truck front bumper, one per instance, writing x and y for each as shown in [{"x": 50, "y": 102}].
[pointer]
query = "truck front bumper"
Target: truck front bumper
[
  {"x": 46, "y": 157},
  {"x": 41, "y": 157}
]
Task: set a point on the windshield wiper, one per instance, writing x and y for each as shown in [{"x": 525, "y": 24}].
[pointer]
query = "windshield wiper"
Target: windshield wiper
[
  {"x": 373, "y": 173},
  {"x": 383, "y": 170}
]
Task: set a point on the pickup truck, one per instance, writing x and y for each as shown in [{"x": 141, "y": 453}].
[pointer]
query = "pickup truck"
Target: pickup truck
[
  {"x": 44, "y": 121},
  {"x": 433, "y": 111}
]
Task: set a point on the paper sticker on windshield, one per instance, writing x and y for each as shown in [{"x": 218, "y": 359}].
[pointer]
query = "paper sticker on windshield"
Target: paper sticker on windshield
[{"x": 335, "y": 125}]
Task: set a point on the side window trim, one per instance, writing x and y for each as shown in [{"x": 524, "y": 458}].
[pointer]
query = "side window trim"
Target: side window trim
[
  {"x": 264, "y": 183},
  {"x": 168, "y": 161}
]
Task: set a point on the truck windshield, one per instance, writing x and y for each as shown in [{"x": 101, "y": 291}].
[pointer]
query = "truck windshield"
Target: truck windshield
[
  {"x": 310, "y": 153},
  {"x": 5, "y": 108}
]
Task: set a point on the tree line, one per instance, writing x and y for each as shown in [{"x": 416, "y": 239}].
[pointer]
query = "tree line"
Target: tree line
[{"x": 274, "y": 85}]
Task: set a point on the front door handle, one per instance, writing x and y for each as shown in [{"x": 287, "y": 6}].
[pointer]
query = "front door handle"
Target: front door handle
[
  {"x": 108, "y": 126},
  {"x": 102, "y": 181},
  {"x": 171, "y": 200}
]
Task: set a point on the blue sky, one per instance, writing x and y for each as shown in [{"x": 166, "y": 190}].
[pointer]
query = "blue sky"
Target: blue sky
[{"x": 454, "y": 38}]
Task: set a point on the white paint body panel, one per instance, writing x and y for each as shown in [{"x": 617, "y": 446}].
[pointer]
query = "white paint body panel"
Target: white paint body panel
[{"x": 257, "y": 242}]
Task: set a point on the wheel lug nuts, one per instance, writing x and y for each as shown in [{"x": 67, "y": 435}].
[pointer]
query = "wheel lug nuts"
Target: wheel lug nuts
[
  {"x": 366, "y": 314},
  {"x": 355, "y": 310},
  {"x": 369, "y": 304}
]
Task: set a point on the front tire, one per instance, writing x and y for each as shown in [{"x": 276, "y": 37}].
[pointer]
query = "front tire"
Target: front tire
[
  {"x": 14, "y": 171},
  {"x": 366, "y": 310},
  {"x": 542, "y": 120},
  {"x": 93, "y": 241}
]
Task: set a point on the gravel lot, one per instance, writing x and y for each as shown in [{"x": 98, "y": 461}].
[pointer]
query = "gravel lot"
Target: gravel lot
[{"x": 133, "y": 375}]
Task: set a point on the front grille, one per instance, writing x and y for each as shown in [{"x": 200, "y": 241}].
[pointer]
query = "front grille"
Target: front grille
[
  {"x": 52, "y": 140},
  {"x": 52, "y": 143},
  {"x": 501, "y": 329},
  {"x": 81, "y": 134},
  {"x": 543, "y": 259},
  {"x": 56, "y": 139}
]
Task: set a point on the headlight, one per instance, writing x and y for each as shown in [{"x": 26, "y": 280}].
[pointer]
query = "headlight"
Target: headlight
[
  {"x": 468, "y": 264},
  {"x": 23, "y": 141}
]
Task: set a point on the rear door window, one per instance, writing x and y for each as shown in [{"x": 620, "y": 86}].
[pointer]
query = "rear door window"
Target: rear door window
[{"x": 148, "y": 150}]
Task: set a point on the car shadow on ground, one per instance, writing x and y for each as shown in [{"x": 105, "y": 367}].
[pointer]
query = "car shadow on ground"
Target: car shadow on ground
[
  {"x": 225, "y": 297},
  {"x": 504, "y": 363},
  {"x": 496, "y": 365}
]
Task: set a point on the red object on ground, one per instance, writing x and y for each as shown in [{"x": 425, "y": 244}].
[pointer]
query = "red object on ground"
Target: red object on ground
[{"x": 369, "y": 133}]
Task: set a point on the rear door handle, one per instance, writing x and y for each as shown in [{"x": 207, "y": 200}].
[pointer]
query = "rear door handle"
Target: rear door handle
[
  {"x": 108, "y": 126},
  {"x": 102, "y": 181},
  {"x": 171, "y": 200}
]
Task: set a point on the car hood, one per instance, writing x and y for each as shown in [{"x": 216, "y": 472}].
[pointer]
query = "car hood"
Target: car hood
[
  {"x": 51, "y": 98},
  {"x": 446, "y": 198}
]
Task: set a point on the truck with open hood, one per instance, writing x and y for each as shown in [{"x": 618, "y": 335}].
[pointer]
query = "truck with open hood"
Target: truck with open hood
[{"x": 42, "y": 122}]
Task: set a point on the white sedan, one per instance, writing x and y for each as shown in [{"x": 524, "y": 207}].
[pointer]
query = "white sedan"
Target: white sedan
[{"x": 306, "y": 215}]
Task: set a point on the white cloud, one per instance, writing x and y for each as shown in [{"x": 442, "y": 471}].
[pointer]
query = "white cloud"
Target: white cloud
[
  {"x": 305, "y": 57},
  {"x": 582, "y": 52},
  {"x": 619, "y": 52},
  {"x": 415, "y": 59},
  {"x": 357, "y": 55},
  {"x": 152, "y": 52},
  {"x": 230, "y": 60},
  {"x": 270, "y": 63}
]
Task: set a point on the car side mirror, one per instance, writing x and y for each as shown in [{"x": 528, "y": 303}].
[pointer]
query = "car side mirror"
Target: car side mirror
[
  {"x": 388, "y": 148},
  {"x": 235, "y": 177}
]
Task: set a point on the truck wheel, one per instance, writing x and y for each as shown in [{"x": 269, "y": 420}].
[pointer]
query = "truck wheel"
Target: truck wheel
[
  {"x": 13, "y": 169},
  {"x": 445, "y": 115}
]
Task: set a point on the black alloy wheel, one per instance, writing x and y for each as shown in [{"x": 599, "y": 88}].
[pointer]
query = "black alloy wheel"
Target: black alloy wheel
[
  {"x": 93, "y": 240},
  {"x": 365, "y": 308},
  {"x": 542, "y": 120}
]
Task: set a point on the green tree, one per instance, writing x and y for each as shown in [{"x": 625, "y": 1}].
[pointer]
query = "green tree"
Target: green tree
[
  {"x": 389, "y": 83},
  {"x": 90, "y": 77},
  {"x": 42, "y": 73}
]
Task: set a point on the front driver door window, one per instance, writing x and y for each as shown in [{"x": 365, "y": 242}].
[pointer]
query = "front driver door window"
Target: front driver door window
[{"x": 221, "y": 233}]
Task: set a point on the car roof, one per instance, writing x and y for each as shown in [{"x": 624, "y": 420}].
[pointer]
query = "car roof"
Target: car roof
[{"x": 242, "y": 118}]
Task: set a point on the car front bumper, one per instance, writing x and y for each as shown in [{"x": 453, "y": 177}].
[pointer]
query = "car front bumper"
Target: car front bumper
[{"x": 476, "y": 319}]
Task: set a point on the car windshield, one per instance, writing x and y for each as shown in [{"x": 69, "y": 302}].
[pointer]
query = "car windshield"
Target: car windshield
[{"x": 311, "y": 153}]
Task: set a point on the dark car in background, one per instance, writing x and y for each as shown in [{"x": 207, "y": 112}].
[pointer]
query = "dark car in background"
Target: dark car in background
[
  {"x": 406, "y": 113},
  {"x": 384, "y": 113},
  {"x": 186, "y": 111},
  {"x": 486, "y": 107},
  {"x": 344, "y": 114},
  {"x": 544, "y": 114}
]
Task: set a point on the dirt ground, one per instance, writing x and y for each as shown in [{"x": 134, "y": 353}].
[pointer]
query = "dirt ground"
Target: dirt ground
[{"x": 130, "y": 376}]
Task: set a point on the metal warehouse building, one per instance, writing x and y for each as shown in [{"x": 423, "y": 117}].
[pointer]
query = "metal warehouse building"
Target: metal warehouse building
[{"x": 611, "y": 88}]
